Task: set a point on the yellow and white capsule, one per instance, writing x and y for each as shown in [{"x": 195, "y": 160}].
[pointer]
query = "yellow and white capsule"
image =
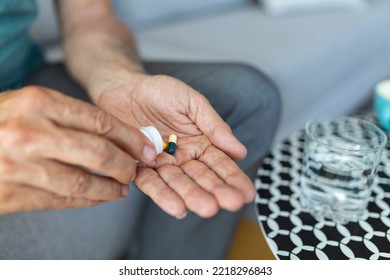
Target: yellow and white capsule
[
  {"x": 172, "y": 144},
  {"x": 165, "y": 145}
]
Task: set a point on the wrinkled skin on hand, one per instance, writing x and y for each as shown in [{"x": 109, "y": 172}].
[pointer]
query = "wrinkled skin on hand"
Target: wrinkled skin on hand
[
  {"x": 46, "y": 137},
  {"x": 202, "y": 175}
]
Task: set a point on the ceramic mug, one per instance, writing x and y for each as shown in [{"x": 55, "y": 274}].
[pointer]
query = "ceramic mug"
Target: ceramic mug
[{"x": 382, "y": 103}]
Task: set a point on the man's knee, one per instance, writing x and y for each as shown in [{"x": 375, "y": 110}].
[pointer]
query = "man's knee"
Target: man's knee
[
  {"x": 249, "y": 94},
  {"x": 257, "y": 90},
  {"x": 255, "y": 116}
]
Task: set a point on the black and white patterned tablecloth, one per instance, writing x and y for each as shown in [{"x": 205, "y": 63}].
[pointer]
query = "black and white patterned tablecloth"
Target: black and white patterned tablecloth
[{"x": 294, "y": 234}]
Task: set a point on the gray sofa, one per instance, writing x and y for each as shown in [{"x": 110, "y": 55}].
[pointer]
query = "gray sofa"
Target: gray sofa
[{"x": 324, "y": 63}]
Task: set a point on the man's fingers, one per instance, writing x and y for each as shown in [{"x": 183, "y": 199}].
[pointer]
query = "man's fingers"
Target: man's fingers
[
  {"x": 228, "y": 171},
  {"x": 72, "y": 113},
  {"x": 228, "y": 198},
  {"x": 70, "y": 181},
  {"x": 62, "y": 179},
  {"x": 76, "y": 182},
  {"x": 19, "y": 197},
  {"x": 87, "y": 150},
  {"x": 153, "y": 186},
  {"x": 196, "y": 199}
]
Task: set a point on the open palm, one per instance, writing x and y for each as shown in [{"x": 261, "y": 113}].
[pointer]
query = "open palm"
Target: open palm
[{"x": 202, "y": 175}]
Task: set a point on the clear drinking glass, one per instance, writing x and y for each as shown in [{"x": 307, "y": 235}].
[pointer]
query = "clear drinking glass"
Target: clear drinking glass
[{"x": 340, "y": 162}]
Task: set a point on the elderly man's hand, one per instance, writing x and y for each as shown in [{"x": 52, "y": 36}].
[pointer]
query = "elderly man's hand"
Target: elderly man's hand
[
  {"x": 202, "y": 175},
  {"x": 45, "y": 138}
]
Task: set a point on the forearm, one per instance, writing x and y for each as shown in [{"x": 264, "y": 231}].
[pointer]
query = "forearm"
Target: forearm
[{"x": 96, "y": 45}]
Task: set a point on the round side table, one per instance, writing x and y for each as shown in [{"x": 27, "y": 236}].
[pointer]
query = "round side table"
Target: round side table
[{"x": 293, "y": 233}]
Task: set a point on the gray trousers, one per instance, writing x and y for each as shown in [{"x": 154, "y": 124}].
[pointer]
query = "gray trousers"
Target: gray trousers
[{"x": 136, "y": 228}]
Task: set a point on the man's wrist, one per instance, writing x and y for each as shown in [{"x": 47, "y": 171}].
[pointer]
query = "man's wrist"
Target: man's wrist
[{"x": 111, "y": 77}]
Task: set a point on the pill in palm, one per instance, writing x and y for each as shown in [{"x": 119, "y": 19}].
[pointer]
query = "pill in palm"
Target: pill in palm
[{"x": 172, "y": 144}]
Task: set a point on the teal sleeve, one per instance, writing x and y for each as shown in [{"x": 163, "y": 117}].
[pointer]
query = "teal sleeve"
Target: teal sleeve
[{"x": 19, "y": 56}]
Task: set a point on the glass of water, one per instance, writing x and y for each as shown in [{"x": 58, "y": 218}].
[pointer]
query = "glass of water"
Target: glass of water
[{"x": 340, "y": 162}]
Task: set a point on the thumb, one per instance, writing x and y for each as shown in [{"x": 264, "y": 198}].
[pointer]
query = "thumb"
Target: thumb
[{"x": 219, "y": 133}]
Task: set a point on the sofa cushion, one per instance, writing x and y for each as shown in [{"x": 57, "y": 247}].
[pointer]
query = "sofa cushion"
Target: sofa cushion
[
  {"x": 288, "y": 7},
  {"x": 146, "y": 13}
]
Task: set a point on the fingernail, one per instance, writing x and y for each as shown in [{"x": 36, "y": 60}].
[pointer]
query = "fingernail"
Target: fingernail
[
  {"x": 125, "y": 190},
  {"x": 182, "y": 216},
  {"x": 149, "y": 153}
]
